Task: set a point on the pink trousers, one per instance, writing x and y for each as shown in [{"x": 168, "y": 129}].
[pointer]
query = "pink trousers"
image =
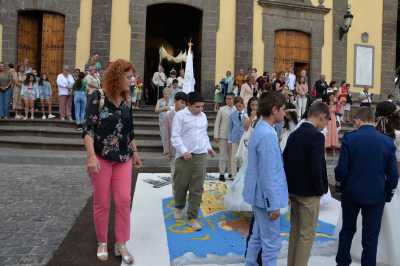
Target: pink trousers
[
  {"x": 65, "y": 103},
  {"x": 113, "y": 178}
]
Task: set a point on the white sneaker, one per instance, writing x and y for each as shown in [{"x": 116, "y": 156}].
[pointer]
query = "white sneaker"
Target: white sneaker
[
  {"x": 51, "y": 116},
  {"x": 26, "y": 117},
  {"x": 196, "y": 226},
  {"x": 44, "y": 117},
  {"x": 17, "y": 117},
  {"x": 178, "y": 214},
  {"x": 32, "y": 117}
]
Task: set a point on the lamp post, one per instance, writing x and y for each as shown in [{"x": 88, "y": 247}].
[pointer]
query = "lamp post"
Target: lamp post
[{"x": 348, "y": 20}]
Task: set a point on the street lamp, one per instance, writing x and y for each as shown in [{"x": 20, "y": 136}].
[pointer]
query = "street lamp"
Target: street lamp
[{"x": 348, "y": 20}]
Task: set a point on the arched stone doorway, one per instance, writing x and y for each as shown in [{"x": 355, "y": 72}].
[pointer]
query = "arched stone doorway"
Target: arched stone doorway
[
  {"x": 184, "y": 23},
  {"x": 70, "y": 9},
  {"x": 292, "y": 51},
  {"x": 210, "y": 22},
  {"x": 278, "y": 17},
  {"x": 41, "y": 41}
]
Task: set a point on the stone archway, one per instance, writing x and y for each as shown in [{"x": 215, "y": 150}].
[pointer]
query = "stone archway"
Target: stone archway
[
  {"x": 9, "y": 20},
  {"x": 290, "y": 16},
  {"x": 161, "y": 32},
  {"x": 210, "y": 9},
  {"x": 41, "y": 41}
]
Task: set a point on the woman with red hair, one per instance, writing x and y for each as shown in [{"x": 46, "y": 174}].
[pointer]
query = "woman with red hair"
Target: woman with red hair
[{"x": 111, "y": 151}]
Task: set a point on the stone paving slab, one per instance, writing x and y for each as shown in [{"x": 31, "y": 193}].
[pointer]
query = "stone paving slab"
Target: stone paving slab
[{"x": 38, "y": 206}]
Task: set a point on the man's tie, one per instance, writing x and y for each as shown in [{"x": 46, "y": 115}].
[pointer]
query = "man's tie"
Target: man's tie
[{"x": 240, "y": 116}]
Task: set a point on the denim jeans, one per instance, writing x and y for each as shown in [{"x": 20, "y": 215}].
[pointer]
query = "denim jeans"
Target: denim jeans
[
  {"x": 80, "y": 106},
  {"x": 5, "y": 97}
]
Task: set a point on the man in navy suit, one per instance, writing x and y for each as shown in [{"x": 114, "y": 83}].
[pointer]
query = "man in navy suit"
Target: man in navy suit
[
  {"x": 366, "y": 177},
  {"x": 305, "y": 167}
]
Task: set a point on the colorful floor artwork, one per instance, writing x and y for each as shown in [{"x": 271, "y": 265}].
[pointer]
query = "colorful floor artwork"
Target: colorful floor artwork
[{"x": 224, "y": 232}]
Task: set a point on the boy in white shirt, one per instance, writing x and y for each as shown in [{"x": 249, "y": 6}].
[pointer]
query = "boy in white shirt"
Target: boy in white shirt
[{"x": 190, "y": 139}]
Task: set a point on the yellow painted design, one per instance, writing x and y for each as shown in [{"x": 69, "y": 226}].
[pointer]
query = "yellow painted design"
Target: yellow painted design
[
  {"x": 368, "y": 17},
  {"x": 258, "y": 42},
  {"x": 213, "y": 200},
  {"x": 203, "y": 238},
  {"x": 171, "y": 204},
  {"x": 323, "y": 235},
  {"x": 225, "y": 51},
  {"x": 180, "y": 227},
  {"x": 120, "y": 43},
  {"x": 83, "y": 33}
]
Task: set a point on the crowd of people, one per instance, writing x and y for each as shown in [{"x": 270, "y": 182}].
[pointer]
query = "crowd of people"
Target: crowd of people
[
  {"x": 272, "y": 131},
  {"x": 272, "y": 144},
  {"x": 25, "y": 91},
  {"x": 299, "y": 93}
]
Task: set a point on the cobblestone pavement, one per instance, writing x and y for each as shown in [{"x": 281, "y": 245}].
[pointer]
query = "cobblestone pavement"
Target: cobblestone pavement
[{"x": 38, "y": 205}]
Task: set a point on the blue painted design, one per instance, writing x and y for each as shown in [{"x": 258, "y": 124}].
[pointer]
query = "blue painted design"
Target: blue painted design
[{"x": 215, "y": 238}]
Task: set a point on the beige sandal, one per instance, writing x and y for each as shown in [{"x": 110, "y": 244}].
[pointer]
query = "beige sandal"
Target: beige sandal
[
  {"x": 121, "y": 248},
  {"x": 102, "y": 252}
]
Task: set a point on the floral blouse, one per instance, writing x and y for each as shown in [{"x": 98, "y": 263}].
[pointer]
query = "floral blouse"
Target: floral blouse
[{"x": 111, "y": 129}]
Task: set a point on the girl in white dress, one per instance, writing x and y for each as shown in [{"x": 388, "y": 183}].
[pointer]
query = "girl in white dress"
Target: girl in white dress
[
  {"x": 388, "y": 122},
  {"x": 291, "y": 121},
  {"x": 233, "y": 200}
]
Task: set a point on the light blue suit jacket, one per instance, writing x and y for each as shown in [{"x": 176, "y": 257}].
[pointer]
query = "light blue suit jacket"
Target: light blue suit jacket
[
  {"x": 236, "y": 127},
  {"x": 265, "y": 182}
]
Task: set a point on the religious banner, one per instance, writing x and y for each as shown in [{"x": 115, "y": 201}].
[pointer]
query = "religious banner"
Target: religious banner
[
  {"x": 180, "y": 58},
  {"x": 189, "y": 81}
]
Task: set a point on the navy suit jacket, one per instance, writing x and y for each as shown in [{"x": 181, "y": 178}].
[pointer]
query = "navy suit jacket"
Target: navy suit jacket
[
  {"x": 367, "y": 168},
  {"x": 305, "y": 165}
]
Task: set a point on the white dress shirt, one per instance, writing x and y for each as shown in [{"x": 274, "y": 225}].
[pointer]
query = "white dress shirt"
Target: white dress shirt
[
  {"x": 365, "y": 97},
  {"x": 189, "y": 133},
  {"x": 159, "y": 79},
  {"x": 64, "y": 83},
  {"x": 291, "y": 82}
]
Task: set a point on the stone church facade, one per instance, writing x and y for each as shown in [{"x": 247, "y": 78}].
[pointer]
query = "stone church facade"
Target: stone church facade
[{"x": 235, "y": 34}]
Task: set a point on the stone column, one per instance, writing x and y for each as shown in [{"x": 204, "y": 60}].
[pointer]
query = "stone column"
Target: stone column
[
  {"x": 339, "y": 51},
  {"x": 389, "y": 41},
  {"x": 101, "y": 29},
  {"x": 244, "y": 34}
]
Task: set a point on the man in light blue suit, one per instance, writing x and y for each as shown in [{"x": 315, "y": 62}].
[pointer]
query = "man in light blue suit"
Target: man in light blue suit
[{"x": 265, "y": 186}]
